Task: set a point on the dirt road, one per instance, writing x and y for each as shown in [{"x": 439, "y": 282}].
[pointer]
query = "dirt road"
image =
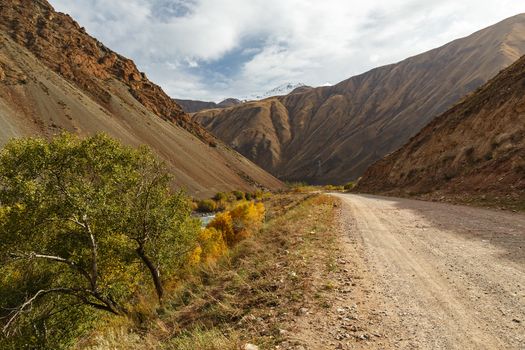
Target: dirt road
[{"x": 442, "y": 276}]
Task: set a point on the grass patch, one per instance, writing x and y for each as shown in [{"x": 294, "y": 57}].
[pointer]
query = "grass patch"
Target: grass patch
[{"x": 249, "y": 294}]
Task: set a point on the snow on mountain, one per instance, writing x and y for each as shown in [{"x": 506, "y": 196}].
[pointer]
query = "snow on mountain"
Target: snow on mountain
[{"x": 283, "y": 89}]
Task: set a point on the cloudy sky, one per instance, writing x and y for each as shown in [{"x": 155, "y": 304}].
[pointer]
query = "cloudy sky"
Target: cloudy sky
[{"x": 213, "y": 49}]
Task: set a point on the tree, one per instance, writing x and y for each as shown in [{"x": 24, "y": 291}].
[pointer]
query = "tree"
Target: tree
[{"x": 83, "y": 223}]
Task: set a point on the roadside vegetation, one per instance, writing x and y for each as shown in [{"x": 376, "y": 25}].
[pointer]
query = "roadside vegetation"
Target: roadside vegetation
[
  {"x": 224, "y": 201},
  {"x": 98, "y": 251},
  {"x": 92, "y": 233},
  {"x": 303, "y": 187},
  {"x": 251, "y": 294}
]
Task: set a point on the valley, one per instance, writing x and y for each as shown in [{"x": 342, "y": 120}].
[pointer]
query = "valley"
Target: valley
[
  {"x": 331, "y": 135},
  {"x": 386, "y": 211}
]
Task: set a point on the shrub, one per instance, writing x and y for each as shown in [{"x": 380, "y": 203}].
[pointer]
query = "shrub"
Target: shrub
[
  {"x": 247, "y": 218},
  {"x": 220, "y": 196},
  {"x": 194, "y": 205},
  {"x": 206, "y": 206},
  {"x": 221, "y": 205},
  {"x": 211, "y": 242},
  {"x": 248, "y": 196},
  {"x": 349, "y": 186},
  {"x": 223, "y": 223},
  {"x": 239, "y": 223},
  {"x": 239, "y": 195}
]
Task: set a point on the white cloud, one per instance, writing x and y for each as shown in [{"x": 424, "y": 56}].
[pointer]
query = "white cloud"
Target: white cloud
[{"x": 211, "y": 49}]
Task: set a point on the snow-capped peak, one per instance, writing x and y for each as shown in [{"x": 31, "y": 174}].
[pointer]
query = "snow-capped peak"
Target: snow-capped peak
[{"x": 283, "y": 89}]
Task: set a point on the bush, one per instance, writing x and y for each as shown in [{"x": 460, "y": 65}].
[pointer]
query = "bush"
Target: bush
[
  {"x": 248, "y": 196},
  {"x": 194, "y": 205},
  {"x": 239, "y": 195},
  {"x": 220, "y": 196},
  {"x": 349, "y": 186},
  {"x": 223, "y": 223},
  {"x": 247, "y": 219},
  {"x": 212, "y": 245},
  {"x": 221, "y": 205},
  {"x": 239, "y": 223},
  {"x": 207, "y": 206}
]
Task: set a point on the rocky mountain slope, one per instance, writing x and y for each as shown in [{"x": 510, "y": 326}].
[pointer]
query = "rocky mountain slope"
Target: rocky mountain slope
[
  {"x": 192, "y": 106},
  {"x": 474, "y": 151},
  {"x": 332, "y": 134},
  {"x": 54, "y": 76}
]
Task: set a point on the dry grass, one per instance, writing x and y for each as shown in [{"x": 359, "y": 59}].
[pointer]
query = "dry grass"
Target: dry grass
[{"x": 253, "y": 292}]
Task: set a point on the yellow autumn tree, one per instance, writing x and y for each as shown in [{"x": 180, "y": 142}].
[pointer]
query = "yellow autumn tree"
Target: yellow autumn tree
[
  {"x": 239, "y": 223},
  {"x": 212, "y": 245},
  {"x": 247, "y": 218},
  {"x": 223, "y": 223}
]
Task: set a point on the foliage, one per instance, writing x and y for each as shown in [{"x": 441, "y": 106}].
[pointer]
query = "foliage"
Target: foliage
[
  {"x": 257, "y": 194},
  {"x": 300, "y": 187},
  {"x": 247, "y": 219},
  {"x": 207, "y": 206},
  {"x": 212, "y": 245},
  {"x": 223, "y": 223},
  {"x": 220, "y": 196},
  {"x": 349, "y": 186},
  {"x": 83, "y": 224},
  {"x": 239, "y": 195},
  {"x": 240, "y": 222}
]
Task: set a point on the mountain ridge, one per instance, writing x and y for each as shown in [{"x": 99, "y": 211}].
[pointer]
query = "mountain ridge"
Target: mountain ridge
[
  {"x": 192, "y": 106},
  {"x": 473, "y": 152},
  {"x": 332, "y": 134},
  {"x": 55, "y": 77}
]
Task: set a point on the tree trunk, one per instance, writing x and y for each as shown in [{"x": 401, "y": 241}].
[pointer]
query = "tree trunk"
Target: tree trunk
[{"x": 154, "y": 271}]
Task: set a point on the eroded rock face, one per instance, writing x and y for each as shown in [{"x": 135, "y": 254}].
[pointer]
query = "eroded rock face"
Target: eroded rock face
[
  {"x": 58, "y": 78},
  {"x": 60, "y": 43},
  {"x": 476, "y": 149},
  {"x": 2, "y": 74}
]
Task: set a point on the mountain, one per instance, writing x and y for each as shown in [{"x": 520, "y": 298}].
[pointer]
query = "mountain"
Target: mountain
[
  {"x": 474, "y": 151},
  {"x": 283, "y": 89},
  {"x": 54, "y": 77},
  {"x": 192, "y": 106},
  {"x": 332, "y": 134}
]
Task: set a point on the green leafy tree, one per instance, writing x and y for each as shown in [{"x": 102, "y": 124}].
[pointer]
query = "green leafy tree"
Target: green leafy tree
[{"x": 84, "y": 223}]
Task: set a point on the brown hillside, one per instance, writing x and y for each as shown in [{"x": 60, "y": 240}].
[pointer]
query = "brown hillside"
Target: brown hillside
[
  {"x": 54, "y": 76},
  {"x": 332, "y": 134},
  {"x": 192, "y": 106},
  {"x": 474, "y": 151}
]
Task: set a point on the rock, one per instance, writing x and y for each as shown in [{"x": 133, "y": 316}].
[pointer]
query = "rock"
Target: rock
[
  {"x": 303, "y": 311},
  {"x": 2, "y": 74},
  {"x": 249, "y": 346}
]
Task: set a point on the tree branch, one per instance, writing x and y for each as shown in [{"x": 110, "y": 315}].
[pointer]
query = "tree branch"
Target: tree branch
[
  {"x": 15, "y": 314},
  {"x": 54, "y": 258},
  {"x": 94, "y": 253}
]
